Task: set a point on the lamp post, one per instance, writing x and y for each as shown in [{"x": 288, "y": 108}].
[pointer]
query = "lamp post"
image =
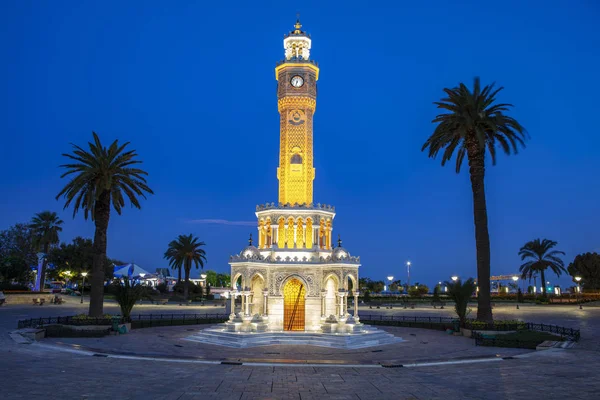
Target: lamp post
[
  {"x": 454, "y": 278},
  {"x": 83, "y": 274},
  {"x": 203, "y": 277},
  {"x": 578, "y": 279},
  {"x": 408, "y": 269},
  {"x": 390, "y": 278},
  {"x": 515, "y": 279}
]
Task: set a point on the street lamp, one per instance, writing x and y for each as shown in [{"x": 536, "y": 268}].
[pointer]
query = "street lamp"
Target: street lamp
[
  {"x": 515, "y": 279},
  {"x": 454, "y": 278},
  {"x": 408, "y": 269},
  {"x": 83, "y": 274},
  {"x": 390, "y": 278},
  {"x": 578, "y": 279}
]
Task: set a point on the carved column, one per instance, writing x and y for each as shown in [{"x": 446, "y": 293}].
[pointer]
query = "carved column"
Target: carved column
[
  {"x": 323, "y": 303},
  {"x": 356, "y": 293},
  {"x": 232, "y": 294},
  {"x": 265, "y": 296},
  {"x": 346, "y": 303},
  {"x": 340, "y": 307},
  {"x": 247, "y": 303},
  {"x": 243, "y": 305}
]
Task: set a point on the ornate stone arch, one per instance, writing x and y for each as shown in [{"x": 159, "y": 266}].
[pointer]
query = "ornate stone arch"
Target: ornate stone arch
[
  {"x": 331, "y": 274},
  {"x": 259, "y": 274},
  {"x": 236, "y": 275},
  {"x": 354, "y": 280},
  {"x": 290, "y": 276}
]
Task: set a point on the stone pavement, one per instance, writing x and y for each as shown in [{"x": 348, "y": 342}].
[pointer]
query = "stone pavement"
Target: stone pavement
[
  {"x": 419, "y": 345},
  {"x": 30, "y": 372}
]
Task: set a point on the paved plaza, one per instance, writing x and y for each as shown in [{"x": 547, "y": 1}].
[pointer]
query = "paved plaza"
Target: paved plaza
[{"x": 38, "y": 371}]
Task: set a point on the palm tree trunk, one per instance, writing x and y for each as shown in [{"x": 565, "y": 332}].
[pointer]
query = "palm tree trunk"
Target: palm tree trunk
[
  {"x": 44, "y": 266},
  {"x": 544, "y": 288},
  {"x": 179, "y": 274},
  {"x": 482, "y": 237},
  {"x": 101, "y": 217},
  {"x": 186, "y": 284}
]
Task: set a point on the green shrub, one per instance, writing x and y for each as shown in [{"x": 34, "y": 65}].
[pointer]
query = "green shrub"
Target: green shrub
[
  {"x": 81, "y": 317},
  {"x": 11, "y": 286},
  {"x": 66, "y": 331},
  {"x": 163, "y": 288},
  {"x": 127, "y": 295},
  {"x": 461, "y": 292},
  {"x": 193, "y": 288},
  {"x": 367, "y": 296}
]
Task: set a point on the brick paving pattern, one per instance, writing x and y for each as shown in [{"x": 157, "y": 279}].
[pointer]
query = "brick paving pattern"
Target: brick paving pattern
[{"x": 30, "y": 372}]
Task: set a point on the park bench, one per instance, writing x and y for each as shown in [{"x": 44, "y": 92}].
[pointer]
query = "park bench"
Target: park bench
[
  {"x": 411, "y": 305},
  {"x": 437, "y": 304},
  {"x": 57, "y": 300}
]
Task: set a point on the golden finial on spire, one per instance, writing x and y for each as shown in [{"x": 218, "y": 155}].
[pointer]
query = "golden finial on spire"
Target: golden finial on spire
[{"x": 298, "y": 25}]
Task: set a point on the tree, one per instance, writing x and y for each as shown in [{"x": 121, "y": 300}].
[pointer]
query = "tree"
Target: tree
[
  {"x": 461, "y": 293},
  {"x": 211, "y": 277},
  {"x": 77, "y": 256},
  {"x": 183, "y": 252},
  {"x": 45, "y": 227},
  {"x": 475, "y": 125},
  {"x": 100, "y": 178},
  {"x": 540, "y": 257},
  {"x": 17, "y": 253},
  {"x": 587, "y": 266},
  {"x": 223, "y": 280}
]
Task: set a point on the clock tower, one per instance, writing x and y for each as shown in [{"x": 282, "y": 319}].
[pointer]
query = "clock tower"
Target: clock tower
[{"x": 297, "y": 77}]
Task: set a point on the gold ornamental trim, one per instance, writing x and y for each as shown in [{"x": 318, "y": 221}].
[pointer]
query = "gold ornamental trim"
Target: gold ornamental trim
[
  {"x": 296, "y": 102},
  {"x": 296, "y": 65}
]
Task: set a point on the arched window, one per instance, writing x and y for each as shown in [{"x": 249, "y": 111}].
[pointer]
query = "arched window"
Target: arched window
[{"x": 296, "y": 159}]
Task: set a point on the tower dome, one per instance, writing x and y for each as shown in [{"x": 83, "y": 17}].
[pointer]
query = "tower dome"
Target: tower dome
[
  {"x": 250, "y": 252},
  {"x": 340, "y": 253}
]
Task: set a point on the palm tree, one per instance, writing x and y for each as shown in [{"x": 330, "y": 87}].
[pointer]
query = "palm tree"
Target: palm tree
[
  {"x": 45, "y": 227},
  {"x": 102, "y": 177},
  {"x": 170, "y": 254},
  {"x": 473, "y": 126},
  {"x": 184, "y": 251},
  {"x": 540, "y": 257},
  {"x": 461, "y": 292}
]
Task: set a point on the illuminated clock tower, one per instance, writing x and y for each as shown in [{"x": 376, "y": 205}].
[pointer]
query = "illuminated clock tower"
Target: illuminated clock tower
[
  {"x": 292, "y": 276},
  {"x": 297, "y": 77}
]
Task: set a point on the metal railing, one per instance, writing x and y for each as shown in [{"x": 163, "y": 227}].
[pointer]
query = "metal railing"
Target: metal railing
[
  {"x": 71, "y": 320},
  {"x": 150, "y": 320},
  {"x": 569, "y": 333},
  {"x": 140, "y": 321},
  {"x": 499, "y": 341}
]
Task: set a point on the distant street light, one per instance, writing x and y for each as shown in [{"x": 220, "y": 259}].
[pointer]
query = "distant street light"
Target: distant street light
[
  {"x": 578, "y": 279},
  {"x": 83, "y": 274},
  {"x": 408, "y": 269},
  {"x": 454, "y": 278},
  {"x": 515, "y": 279}
]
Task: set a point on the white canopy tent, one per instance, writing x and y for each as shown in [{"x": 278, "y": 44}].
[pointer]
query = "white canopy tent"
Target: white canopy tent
[{"x": 131, "y": 271}]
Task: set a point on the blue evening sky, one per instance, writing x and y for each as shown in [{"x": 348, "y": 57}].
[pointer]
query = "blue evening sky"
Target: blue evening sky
[{"x": 191, "y": 85}]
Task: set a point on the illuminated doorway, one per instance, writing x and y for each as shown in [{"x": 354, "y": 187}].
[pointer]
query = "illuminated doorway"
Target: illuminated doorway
[{"x": 293, "y": 305}]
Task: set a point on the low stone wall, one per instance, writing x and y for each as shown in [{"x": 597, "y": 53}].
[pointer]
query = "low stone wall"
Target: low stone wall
[{"x": 23, "y": 298}]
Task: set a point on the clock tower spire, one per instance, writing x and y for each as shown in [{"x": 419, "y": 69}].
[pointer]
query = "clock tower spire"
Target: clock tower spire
[{"x": 297, "y": 77}]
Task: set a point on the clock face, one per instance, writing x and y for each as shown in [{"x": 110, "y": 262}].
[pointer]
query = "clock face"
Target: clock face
[{"x": 297, "y": 81}]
